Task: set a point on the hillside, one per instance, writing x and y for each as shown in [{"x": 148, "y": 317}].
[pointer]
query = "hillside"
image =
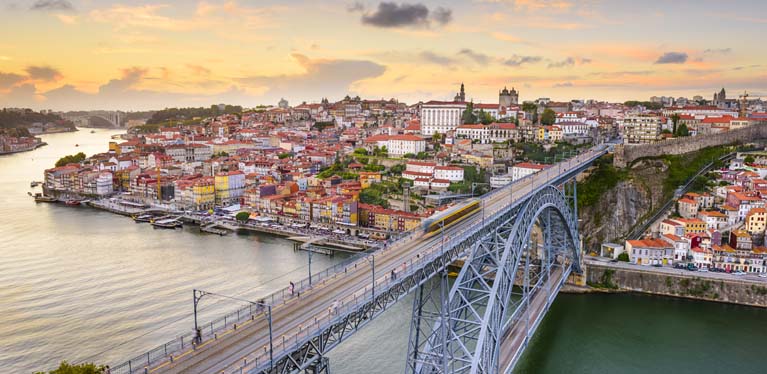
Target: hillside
[{"x": 612, "y": 201}]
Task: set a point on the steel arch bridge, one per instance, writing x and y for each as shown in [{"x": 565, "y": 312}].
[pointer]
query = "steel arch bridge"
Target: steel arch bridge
[{"x": 485, "y": 322}]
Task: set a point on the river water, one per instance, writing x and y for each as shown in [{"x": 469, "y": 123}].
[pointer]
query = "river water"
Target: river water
[{"x": 80, "y": 284}]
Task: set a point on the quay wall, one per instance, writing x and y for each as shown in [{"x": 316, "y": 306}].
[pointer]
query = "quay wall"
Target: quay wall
[
  {"x": 743, "y": 292},
  {"x": 625, "y": 154}
]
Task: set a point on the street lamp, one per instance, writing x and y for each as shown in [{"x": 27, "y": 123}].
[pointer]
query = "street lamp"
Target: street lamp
[{"x": 372, "y": 260}]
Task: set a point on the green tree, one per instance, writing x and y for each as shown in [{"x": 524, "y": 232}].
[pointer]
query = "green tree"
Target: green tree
[
  {"x": 532, "y": 110},
  {"x": 242, "y": 216},
  {"x": 623, "y": 257},
  {"x": 468, "y": 114},
  {"x": 674, "y": 121},
  {"x": 284, "y": 155},
  {"x": 749, "y": 159},
  {"x": 67, "y": 368},
  {"x": 548, "y": 117},
  {"x": 361, "y": 151},
  {"x": 71, "y": 159},
  {"x": 484, "y": 117},
  {"x": 409, "y": 155},
  {"x": 682, "y": 131}
]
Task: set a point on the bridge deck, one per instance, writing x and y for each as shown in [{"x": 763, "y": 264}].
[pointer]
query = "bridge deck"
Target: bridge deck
[
  {"x": 300, "y": 317},
  {"x": 518, "y": 335}
]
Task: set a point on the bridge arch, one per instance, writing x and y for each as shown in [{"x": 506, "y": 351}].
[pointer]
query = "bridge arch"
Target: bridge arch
[{"x": 468, "y": 335}]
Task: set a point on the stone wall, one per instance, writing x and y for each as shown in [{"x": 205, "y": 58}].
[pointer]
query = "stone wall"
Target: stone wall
[
  {"x": 625, "y": 154},
  {"x": 682, "y": 285}
]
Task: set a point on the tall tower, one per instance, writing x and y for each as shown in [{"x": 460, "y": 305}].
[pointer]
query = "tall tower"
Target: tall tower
[
  {"x": 460, "y": 96},
  {"x": 504, "y": 98},
  {"x": 514, "y": 96}
]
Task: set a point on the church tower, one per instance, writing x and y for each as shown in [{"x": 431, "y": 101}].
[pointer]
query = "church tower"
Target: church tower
[{"x": 461, "y": 96}]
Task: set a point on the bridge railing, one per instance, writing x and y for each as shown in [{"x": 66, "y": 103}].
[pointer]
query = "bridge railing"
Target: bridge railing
[
  {"x": 211, "y": 329},
  {"x": 291, "y": 342}
]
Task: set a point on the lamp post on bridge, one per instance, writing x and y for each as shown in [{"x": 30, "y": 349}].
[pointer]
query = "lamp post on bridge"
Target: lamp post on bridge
[
  {"x": 199, "y": 294},
  {"x": 372, "y": 260}
]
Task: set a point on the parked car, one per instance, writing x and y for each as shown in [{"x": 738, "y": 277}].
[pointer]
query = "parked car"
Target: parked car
[
  {"x": 657, "y": 265},
  {"x": 739, "y": 273},
  {"x": 762, "y": 275},
  {"x": 704, "y": 270}
]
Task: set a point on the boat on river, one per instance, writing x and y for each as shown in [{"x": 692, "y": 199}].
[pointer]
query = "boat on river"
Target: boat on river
[
  {"x": 40, "y": 198},
  {"x": 72, "y": 202},
  {"x": 168, "y": 223},
  {"x": 143, "y": 218}
]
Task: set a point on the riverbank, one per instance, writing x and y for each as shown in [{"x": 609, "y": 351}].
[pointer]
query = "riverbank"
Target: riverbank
[
  {"x": 612, "y": 278},
  {"x": 30, "y": 149},
  {"x": 318, "y": 237}
]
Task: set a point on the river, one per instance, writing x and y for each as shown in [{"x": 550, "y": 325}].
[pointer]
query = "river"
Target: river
[{"x": 80, "y": 284}]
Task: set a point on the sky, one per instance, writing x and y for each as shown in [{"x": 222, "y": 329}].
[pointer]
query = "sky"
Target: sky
[{"x": 139, "y": 55}]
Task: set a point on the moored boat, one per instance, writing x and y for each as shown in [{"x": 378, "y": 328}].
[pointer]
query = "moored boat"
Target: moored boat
[
  {"x": 40, "y": 198},
  {"x": 72, "y": 202},
  {"x": 171, "y": 223},
  {"x": 143, "y": 218}
]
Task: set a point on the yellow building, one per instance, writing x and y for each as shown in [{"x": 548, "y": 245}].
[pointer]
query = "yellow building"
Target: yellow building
[
  {"x": 204, "y": 193},
  {"x": 756, "y": 220},
  {"x": 222, "y": 187},
  {"x": 692, "y": 225},
  {"x": 369, "y": 177}
]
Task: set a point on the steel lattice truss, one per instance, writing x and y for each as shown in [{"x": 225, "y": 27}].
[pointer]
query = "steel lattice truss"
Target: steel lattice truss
[{"x": 462, "y": 332}]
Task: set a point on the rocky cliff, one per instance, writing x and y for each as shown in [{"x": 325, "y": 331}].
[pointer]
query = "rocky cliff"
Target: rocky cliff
[{"x": 633, "y": 198}]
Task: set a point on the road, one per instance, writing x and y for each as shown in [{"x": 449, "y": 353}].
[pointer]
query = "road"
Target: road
[
  {"x": 298, "y": 317},
  {"x": 515, "y": 337},
  {"x": 753, "y": 278}
]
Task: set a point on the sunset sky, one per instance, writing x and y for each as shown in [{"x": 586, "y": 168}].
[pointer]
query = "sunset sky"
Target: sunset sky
[{"x": 132, "y": 55}]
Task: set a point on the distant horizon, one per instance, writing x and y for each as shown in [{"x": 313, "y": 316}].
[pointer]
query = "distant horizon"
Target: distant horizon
[
  {"x": 291, "y": 104},
  {"x": 83, "y": 55}
]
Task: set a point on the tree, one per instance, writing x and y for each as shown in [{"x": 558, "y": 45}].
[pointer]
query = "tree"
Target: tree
[
  {"x": 682, "y": 131},
  {"x": 242, "y": 217},
  {"x": 67, "y": 368},
  {"x": 674, "y": 120},
  {"x": 361, "y": 151},
  {"x": 531, "y": 109},
  {"x": 484, "y": 117},
  {"x": 749, "y": 159},
  {"x": 548, "y": 117},
  {"x": 623, "y": 257},
  {"x": 409, "y": 155},
  {"x": 284, "y": 155},
  {"x": 468, "y": 114},
  {"x": 71, "y": 159}
]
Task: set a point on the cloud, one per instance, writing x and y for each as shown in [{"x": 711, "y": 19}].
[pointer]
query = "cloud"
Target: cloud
[
  {"x": 321, "y": 78},
  {"x": 672, "y": 58},
  {"x": 198, "y": 69},
  {"x": 8, "y": 80},
  {"x": 478, "y": 57},
  {"x": 563, "y": 84},
  {"x": 564, "y": 63},
  {"x": 722, "y": 51},
  {"x": 43, "y": 73},
  {"x": 443, "y": 16},
  {"x": 521, "y": 60},
  {"x": 435, "y": 58},
  {"x": 52, "y": 5},
  {"x": 390, "y": 15},
  {"x": 355, "y": 7}
]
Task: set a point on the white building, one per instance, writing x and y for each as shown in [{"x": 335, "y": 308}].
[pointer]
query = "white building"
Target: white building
[
  {"x": 440, "y": 116},
  {"x": 524, "y": 169},
  {"x": 451, "y": 173},
  {"x": 104, "y": 184}
]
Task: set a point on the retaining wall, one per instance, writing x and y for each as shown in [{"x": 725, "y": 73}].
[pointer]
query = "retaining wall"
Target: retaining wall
[
  {"x": 683, "y": 285},
  {"x": 625, "y": 154}
]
